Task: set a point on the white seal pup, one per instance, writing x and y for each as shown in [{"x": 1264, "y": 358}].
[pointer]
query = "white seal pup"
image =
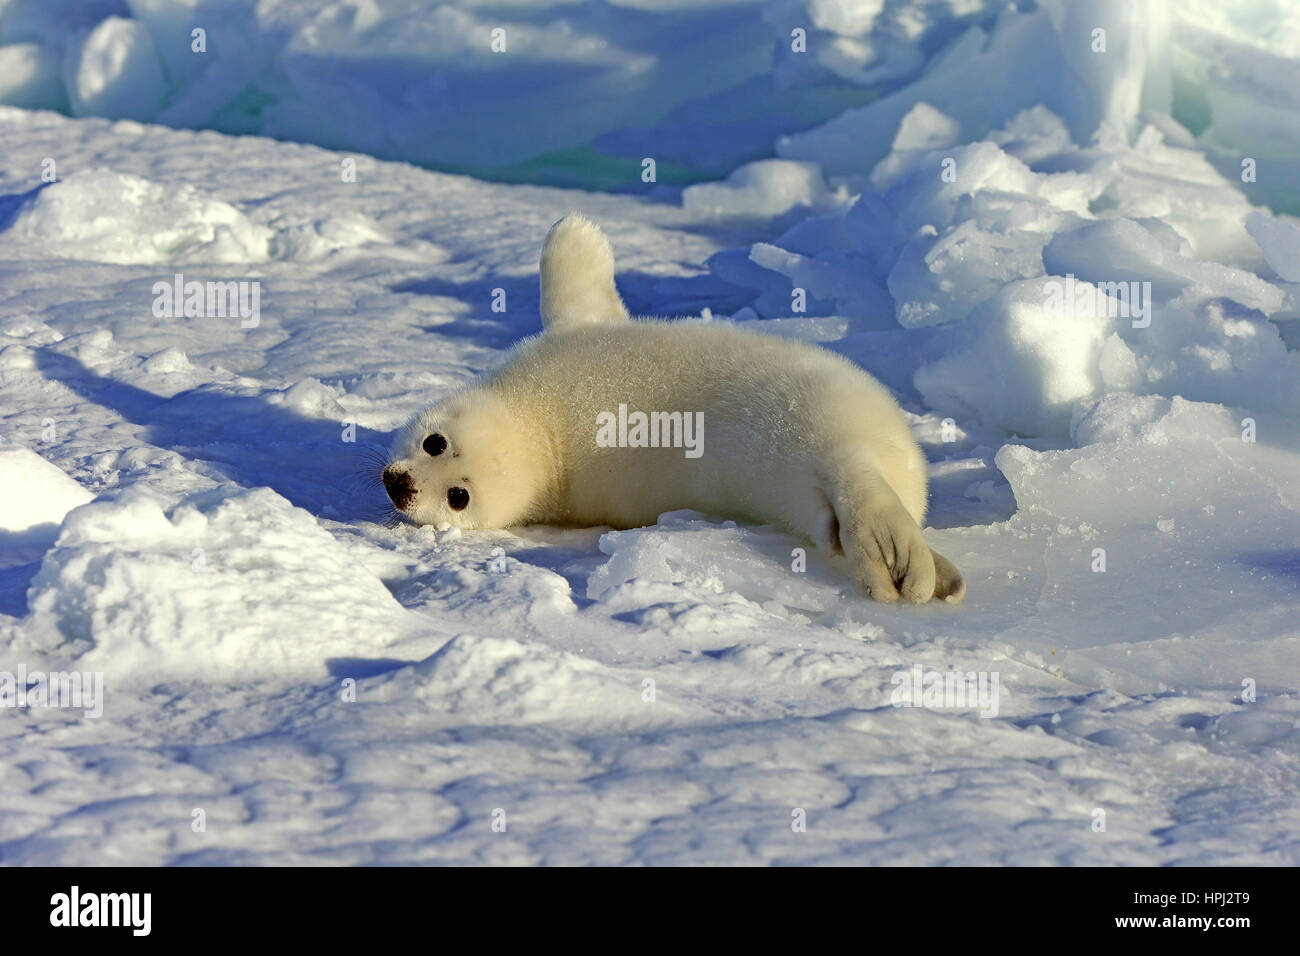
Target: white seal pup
[{"x": 602, "y": 420}]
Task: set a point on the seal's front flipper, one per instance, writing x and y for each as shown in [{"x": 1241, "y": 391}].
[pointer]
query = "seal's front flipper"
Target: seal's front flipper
[{"x": 577, "y": 277}]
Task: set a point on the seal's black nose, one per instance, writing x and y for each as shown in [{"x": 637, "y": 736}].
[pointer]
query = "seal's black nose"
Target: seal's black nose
[{"x": 399, "y": 487}]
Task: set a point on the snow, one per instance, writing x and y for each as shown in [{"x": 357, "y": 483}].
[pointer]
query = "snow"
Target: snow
[
  {"x": 1279, "y": 241},
  {"x": 765, "y": 188},
  {"x": 1019, "y": 364},
  {"x": 34, "y": 492},
  {"x": 1052, "y": 259},
  {"x": 106, "y": 595},
  {"x": 107, "y": 216}
]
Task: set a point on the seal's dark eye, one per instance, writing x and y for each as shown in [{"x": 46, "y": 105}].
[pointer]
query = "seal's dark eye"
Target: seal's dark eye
[
  {"x": 458, "y": 498},
  {"x": 435, "y": 444}
]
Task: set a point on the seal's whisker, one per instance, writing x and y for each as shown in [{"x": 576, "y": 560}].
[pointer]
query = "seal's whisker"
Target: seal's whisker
[
  {"x": 380, "y": 513},
  {"x": 367, "y": 479}
]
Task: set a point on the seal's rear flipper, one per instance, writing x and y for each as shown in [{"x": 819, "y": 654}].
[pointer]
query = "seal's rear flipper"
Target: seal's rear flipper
[
  {"x": 948, "y": 583},
  {"x": 578, "y": 277}
]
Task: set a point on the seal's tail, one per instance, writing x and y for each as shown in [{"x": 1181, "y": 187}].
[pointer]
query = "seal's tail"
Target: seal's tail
[{"x": 578, "y": 277}]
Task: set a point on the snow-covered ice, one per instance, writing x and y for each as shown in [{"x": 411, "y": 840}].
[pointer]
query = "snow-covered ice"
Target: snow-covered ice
[{"x": 1088, "y": 312}]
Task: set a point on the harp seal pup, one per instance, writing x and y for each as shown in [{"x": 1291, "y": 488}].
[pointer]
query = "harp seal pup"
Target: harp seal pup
[{"x": 788, "y": 433}]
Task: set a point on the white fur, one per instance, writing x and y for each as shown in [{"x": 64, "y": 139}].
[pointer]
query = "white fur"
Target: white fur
[{"x": 793, "y": 434}]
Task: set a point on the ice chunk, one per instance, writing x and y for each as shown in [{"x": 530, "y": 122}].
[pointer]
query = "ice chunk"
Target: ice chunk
[
  {"x": 1118, "y": 365},
  {"x": 945, "y": 187},
  {"x": 1180, "y": 187},
  {"x": 948, "y": 233},
  {"x": 31, "y": 77},
  {"x": 115, "y": 72},
  {"x": 1025, "y": 358},
  {"x": 1114, "y": 57},
  {"x": 866, "y": 42},
  {"x": 1217, "y": 351},
  {"x": 986, "y": 78},
  {"x": 1129, "y": 418},
  {"x": 838, "y": 277},
  {"x": 1033, "y": 135},
  {"x": 923, "y": 129},
  {"x": 1239, "y": 68},
  {"x": 211, "y": 84},
  {"x": 1122, "y": 251},
  {"x": 767, "y": 187},
  {"x": 938, "y": 280},
  {"x": 171, "y": 24},
  {"x": 1280, "y": 241}
]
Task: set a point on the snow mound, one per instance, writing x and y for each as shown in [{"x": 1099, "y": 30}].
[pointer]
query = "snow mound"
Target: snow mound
[
  {"x": 140, "y": 591},
  {"x": 114, "y": 217},
  {"x": 34, "y": 492},
  {"x": 692, "y": 576},
  {"x": 700, "y": 554},
  {"x": 34, "y": 497},
  {"x": 488, "y": 681}
]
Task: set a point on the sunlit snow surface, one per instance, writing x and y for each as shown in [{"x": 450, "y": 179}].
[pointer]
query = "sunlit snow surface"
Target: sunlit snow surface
[
  {"x": 327, "y": 688},
  {"x": 231, "y": 576}
]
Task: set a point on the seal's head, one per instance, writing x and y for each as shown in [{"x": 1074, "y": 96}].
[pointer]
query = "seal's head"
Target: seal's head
[{"x": 468, "y": 463}]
